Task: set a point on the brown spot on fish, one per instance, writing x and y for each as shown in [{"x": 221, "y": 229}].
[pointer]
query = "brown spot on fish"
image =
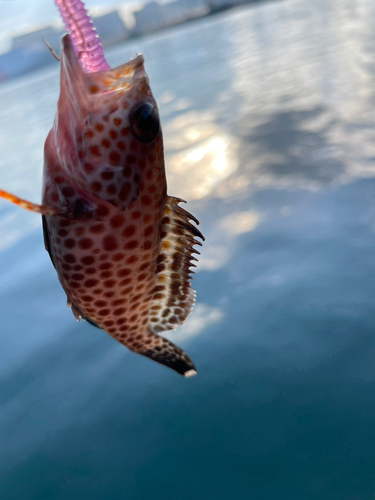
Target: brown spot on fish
[
  {"x": 78, "y": 276},
  {"x": 118, "y": 302},
  {"x": 111, "y": 189},
  {"x": 95, "y": 150},
  {"x": 119, "y": 310},
  {"x": 79, "y": 231},
  {"x": 74, "y": 284},
  {"x": 109, "y": 283},
  {"x": 126, "y": 171},
  {"x": 124, "y": 282},
  {"x": 128, "y": 231},
  {"x": 136, "y": 178},
  {"x": 148, "y": 231},
  {"x": 101, "y": 211},
  {"x": 132, "y": 259},
  {"x": 145, "y": 200},
  {"x": 67, "y": 192},
  {"x": 97, "y": 228},
  {"x": 85, "y": 243},
  {"x": 125, "y": 191},
  {"x": 90, "y": 283},
  {"x": 131, "y": 245},
  {"x": 69, "y": 243},
  {"x": 114, "y": 157},
  {"x": 96, "y": 186},
  {"x": 135, "y": 215},
  {"x": 109, "y": 243},
  {"x": 88, "y": 167},
  {"x": 70, "y": 258},
  {"x": 124, "y": 272},
  {"x": 105, "y": 265},
  {"x": 118, "y": 256},
  {"x": 106, "y": 175},
  {"x": 131, "y": 159},
  {"x": 117, "y": 220},
  {"x": 87, "y": 261}
]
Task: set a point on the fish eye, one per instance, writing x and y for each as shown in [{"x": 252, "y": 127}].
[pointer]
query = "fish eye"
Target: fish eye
[{"x": 144, "y": 121}]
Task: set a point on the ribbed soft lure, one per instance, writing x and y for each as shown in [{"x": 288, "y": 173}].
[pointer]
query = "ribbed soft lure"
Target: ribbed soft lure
[{"x": 121, "y": 247}]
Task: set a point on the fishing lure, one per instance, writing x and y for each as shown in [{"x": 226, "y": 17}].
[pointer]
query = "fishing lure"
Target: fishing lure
[{"x": 122, "y": 247}]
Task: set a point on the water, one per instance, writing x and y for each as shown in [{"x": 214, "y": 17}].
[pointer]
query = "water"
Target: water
[{"x": 268, "y": 116}]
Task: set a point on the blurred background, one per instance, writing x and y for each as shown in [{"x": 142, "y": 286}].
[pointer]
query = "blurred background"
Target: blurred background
[{"x": 268, "y": 116}]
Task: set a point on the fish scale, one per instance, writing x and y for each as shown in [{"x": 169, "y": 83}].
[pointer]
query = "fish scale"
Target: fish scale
[{"x": 122, "y": 248}]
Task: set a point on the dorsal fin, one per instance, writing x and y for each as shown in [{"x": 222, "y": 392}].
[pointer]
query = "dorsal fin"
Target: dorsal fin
[{"x": 173, "y": 296}]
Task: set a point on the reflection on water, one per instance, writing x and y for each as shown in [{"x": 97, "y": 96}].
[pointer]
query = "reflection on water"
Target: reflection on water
[
  {"x": 239, "y": 222},
  {"x": 268, "y": 119},
  {"x": 203, "y": 317}
]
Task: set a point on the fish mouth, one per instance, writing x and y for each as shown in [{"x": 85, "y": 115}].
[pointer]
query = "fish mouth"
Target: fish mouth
[{"x": 118, "y": 79}]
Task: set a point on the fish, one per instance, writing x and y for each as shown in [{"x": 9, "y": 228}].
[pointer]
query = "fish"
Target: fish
[{"x": 122, "y": 248}]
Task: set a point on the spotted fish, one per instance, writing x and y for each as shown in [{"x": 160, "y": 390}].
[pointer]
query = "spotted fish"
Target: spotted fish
[{"x": 122, "y": 248}]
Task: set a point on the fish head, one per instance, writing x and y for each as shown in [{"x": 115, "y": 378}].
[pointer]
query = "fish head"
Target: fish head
[{"x": 107, "y": 132}]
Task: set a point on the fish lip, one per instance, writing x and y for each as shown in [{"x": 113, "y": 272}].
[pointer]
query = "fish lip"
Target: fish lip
[{"x": 117, "y": 79}]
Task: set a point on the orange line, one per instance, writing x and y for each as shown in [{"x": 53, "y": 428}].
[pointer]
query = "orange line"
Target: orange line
[{"x": 27, "y": 205}]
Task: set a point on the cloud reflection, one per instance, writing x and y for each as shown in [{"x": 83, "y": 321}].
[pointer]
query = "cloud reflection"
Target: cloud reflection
[
  {"x": 239, "y": 222},
  {"x": 196, "y": 323},
  {"x": 199, "y": 156},
  {"x": 218, "y": 248}
]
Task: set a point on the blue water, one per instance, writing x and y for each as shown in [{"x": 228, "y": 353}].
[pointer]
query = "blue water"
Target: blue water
[{"x": 268, "y": 116}]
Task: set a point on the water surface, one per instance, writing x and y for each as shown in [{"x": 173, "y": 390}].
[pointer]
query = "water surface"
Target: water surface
[{"x": 268, "y": 117}]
